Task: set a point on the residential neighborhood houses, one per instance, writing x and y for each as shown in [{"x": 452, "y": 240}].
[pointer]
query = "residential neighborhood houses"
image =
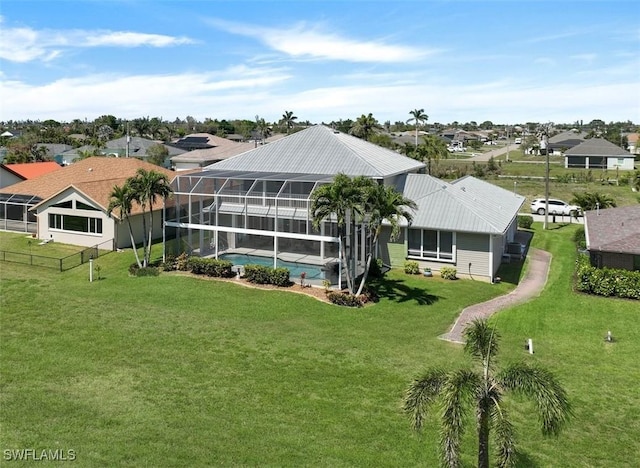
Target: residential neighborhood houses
[{"x": 253, "y": 197}]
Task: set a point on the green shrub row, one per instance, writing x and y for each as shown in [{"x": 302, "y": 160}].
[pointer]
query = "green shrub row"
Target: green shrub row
[
  {"x": 525, "y": 221},
  {"x": 448, "y": 273},
  {"x": 606, "y": 281},
  {"x": 260, "y": 274},
  {"x": 210, "y": 267},
  {"x": 344, "y": 299}
]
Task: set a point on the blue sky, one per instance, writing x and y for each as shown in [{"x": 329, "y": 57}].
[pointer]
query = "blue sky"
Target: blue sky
[{"x": 504, "y": 61}]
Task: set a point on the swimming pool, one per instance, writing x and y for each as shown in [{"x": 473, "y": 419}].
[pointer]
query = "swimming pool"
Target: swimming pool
[{"x": 295, "y": 269}]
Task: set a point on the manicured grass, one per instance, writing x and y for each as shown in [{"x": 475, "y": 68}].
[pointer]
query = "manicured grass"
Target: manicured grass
[{"x": 180, "y": 371}]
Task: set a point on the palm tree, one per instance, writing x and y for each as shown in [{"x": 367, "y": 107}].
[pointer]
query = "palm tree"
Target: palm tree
[
  {"x": 263, "y": 128},
  {"x": 147, "y": 187},
  {"x": 418, "y": 117},
  {"x": 592, "y": 200},
  {"x": 363, "y": 126},
  {"x": 288, "y": 120},
  {"x": 121, "y": 199},
  {"x": 342, "y": 200},
  {"x": 433, "y": 149},
  {"x": 382, "y": 203},
  {"x": 485, "y": 388}
]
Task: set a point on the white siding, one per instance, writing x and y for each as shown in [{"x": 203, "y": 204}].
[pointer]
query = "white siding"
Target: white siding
[{"x": 474, "y": 249}]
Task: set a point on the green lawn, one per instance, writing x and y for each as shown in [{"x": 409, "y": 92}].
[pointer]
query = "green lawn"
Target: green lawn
[{"x": 180, "y": 371}]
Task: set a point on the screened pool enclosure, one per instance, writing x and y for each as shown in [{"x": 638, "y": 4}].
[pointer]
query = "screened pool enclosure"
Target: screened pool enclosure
[{"x": 216, "y": 213}]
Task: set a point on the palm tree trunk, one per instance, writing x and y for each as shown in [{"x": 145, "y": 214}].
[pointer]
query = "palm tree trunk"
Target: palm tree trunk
[
  {"x": 133, "y": 242},
  {"x": 368, "y": 265},
  {"x": 483, "y": 434},
  {"x": 148, "y": 250}
]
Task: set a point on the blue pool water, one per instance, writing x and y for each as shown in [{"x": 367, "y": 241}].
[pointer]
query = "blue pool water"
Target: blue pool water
[{"x": 295, "y": 269}]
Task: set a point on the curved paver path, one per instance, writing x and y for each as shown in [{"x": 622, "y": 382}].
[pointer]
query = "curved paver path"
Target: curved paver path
[{"x": 530, "y": 286}]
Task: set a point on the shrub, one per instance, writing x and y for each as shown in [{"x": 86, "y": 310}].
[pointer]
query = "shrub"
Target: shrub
[
  {"x": 525, "y": 221},
  {"x": 375, "y": 270},
  {"x": 579, "y": 238},
  {"x": 369, "y": 295},
  {"x": 260, "y": 274},
  {"x": 134, "y": 270},
  {"x": 344, "y": 299},
  {"x": 606, "y": 281},
  {"x": 182, "y": 261},
  {"x": 448, "y": 273},
  {"x": 411, "y": 267},
  {"x": 210, "y": 267}
]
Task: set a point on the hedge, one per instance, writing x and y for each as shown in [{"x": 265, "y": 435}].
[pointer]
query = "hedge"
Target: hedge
[
  {"x": 525, "y": 221},
  {"x": 260, "y": 274},
  {"x": 210, "y": 267},
  {"x": 606, "y": 281}
]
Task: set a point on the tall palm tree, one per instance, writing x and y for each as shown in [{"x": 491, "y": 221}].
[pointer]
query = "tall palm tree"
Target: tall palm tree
[
  {"x": 432, "y": 149},
  {"x": 342, "y": 200},
  {"x": 484, "y": 387},
  {"x": 382, "y": 203},
  {"x": 147, "y": 187},
  {"x": 121, "y": 199},
  {"x": 263, "y": 128},
  {"x": 288, "y": 120},
  {"x": 364, "y": 126},
  {"x": 418, "y": 118}
]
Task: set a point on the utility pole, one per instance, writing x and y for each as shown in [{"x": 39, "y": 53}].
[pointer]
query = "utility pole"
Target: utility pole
[{"x": 545, "y": 139}]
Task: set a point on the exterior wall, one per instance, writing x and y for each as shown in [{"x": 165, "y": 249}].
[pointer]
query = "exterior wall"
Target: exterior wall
[
  {"x": 392, "y": 253},
  {"x": 620, "y": 163},
  {"x": 7, "y": 178},
  {"x": 613, "y": 162},
  {"x": 612, "y": 260},
  {"x": 186, "y": 166},
  {"x": 86, "y": 239},
  {"x": 474, "y": 249},
  {"x": 122, "y": 238}
]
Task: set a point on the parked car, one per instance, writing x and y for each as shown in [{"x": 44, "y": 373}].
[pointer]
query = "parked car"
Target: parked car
[{"x": 556, "y": 207}]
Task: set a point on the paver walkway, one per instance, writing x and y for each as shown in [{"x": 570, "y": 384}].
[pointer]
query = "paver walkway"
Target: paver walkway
[{"x": 530, "y": 286}]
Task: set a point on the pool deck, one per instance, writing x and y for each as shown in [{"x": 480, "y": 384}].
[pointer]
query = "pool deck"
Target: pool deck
[{"x": 284, "y": 256}]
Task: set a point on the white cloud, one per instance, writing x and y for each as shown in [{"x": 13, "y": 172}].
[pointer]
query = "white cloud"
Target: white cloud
[
  {"x": 24, "y": 44},
  {"x": 305, "y": 41}
]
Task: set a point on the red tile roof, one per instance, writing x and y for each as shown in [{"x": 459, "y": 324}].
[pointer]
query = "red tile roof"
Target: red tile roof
[
  {"x": 95, "y": 177},
  {"x": 33, "y": 170}
]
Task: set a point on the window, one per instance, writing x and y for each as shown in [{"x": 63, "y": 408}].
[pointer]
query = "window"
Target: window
[
  {"x": 430, "y": 244},
  {"x": 66, "y": 204},
  {"x": 84, "y": 206},
  {"x": 75, "y": 223}
]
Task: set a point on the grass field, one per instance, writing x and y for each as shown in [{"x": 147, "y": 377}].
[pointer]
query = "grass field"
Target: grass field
[{"x": 179, "y": 371}]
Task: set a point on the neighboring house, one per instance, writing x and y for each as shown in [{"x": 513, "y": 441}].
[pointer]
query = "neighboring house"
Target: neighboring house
[
  {"x": 259, "y": 203},
  {"x": 54, "y": 150},
  {"x": 13, "y": 173},
  {"x": 200, "y": 158},
  {"x": 598, "y": 153},
  {"x": 632, "y": 143},
  {"x": 124, "y": 147},
  {"x": 70, "y": 205},
  {"x": 613, "y": 237},
  {"x": 564, "y": 141}
]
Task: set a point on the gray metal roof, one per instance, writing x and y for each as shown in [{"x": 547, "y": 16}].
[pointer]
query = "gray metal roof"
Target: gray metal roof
[
  {"x": 597, "y": 147},
  {"x": 321, "y": 150},
  {"x": 614, "y": 230},
  {"x": 466, "y": 205}
]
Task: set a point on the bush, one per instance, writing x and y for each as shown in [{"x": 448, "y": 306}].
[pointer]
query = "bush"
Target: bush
[
  {"x": 210, "y": 267},
  {"x": 448, "y": 273},
  {"x": 375, "y": 270},
  {"x": 606, "y": 281},
  {"x": 134, "y": 270},
  {"x": 344, "y": 299},
  {"x": 260, "y": 274},
  {"x": 579, "y": 238},
  {"x": 525, "y": 221},
  {"x": 411, "y": 267}
]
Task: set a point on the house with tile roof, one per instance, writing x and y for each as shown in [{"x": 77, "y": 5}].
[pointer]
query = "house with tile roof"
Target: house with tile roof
[
  {"x": 613, "y": 237},
  {"x": 257, "y": 205},
  {"x": 70, "y": 205},
  {"x": 598, "y": 153},
  {"x": 13, "y": 173}
]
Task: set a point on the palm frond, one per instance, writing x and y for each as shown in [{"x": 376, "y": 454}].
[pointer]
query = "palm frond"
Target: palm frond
[
  {"x": 421, "y": 394},
  {"x": 459, "y": 389},
  {"x": 481, "y": 340},
  {"x": 503, "y": 432},
  {"x": 546, "y": 392}
]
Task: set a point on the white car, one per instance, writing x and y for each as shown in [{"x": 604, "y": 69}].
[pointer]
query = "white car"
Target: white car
[{"x": 556, "y": 207}]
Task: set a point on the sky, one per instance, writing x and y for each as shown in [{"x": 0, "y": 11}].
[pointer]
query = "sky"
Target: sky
[{"x": 504, "y": 61}]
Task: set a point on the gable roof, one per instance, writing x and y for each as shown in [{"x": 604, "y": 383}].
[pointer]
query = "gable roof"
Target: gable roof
[
  {"x": 138, "y": 147},
  {"x": 322, "y": 151},
  {"x": 597, "y": 147},
  {"x": 32, "y": 170},
  {"x": 94, "y": 176},
  {"x": 465, "y": 205},
  {"x": 614, "y": 230},
  {"x": 217, "y": 153}
]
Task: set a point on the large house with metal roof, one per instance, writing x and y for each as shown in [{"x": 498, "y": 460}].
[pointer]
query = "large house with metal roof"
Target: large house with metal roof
[{"x": 257, "y": 204}]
